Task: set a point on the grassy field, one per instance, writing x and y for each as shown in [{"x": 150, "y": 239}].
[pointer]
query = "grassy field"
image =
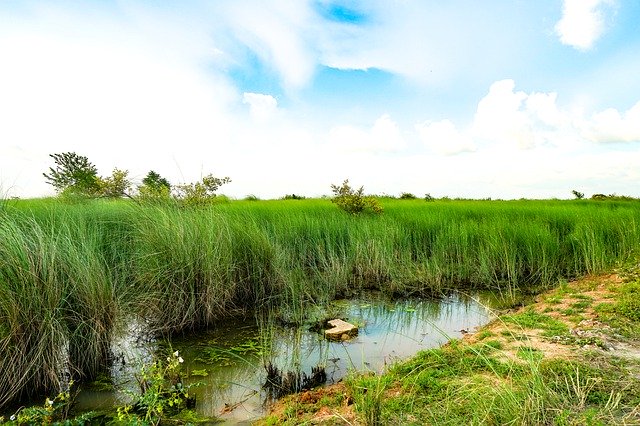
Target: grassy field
[{"x": 69, "y": 272}]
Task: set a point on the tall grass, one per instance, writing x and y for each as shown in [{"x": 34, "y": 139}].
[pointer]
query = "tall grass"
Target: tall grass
[{"x": 68, "y": 272}]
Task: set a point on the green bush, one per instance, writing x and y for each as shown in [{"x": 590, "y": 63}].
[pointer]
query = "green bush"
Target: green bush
[{"x": 354, "y": 201}]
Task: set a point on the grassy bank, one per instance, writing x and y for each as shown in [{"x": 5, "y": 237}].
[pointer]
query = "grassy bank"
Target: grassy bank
[
  {"x": 571, "y": 358},
  {"x": 69, "y": 271}
]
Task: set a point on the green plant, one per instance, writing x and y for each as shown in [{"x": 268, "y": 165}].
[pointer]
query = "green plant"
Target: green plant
[
  {"x": 578, "y": 195},
  {"x": 428, "y": 197},
  {"x": 407, "y": 196},
  {"x": 200, "y": 193},
  {"x": 293, "y": 197},
  {"x": 73, "y": 174},
  {"x": 162, "y": 392},
  {"x": 52, "y": 411},
  {"x": 352, "y": 200},
  {"x": 115, "y": 186}
]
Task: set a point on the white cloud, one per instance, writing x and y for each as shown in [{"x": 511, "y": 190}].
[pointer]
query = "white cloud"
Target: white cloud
[
  {"x": 281, "y": 33},
  {"x": 261, "y": 107},
  {"x": 443, "y": 137},
  {"x": 582, "y": 22},
  {"x": 611, "y": 126},
  {"x": 383, "y": 136}
]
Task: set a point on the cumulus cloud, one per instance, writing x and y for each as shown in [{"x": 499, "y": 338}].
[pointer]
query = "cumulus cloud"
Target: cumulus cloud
[
  {"x": 261, "y": 107},
  {"x": 443, "y": 137},
  {"x": 582, "y": 22},
  {"x": 383, "y": 136},
  {"x": 611, "y": 126},
  {"x": 514, "y": 118}
]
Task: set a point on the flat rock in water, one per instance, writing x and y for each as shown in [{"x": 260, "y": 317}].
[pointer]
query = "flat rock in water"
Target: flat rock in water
[{"x": 341, "y": 330}]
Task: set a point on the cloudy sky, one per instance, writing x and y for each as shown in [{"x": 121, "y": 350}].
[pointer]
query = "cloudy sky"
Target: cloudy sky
[{"x": 464, "y": 98}]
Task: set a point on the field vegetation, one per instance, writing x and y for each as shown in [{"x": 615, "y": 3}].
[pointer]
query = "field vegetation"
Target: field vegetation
[
  {"x": 71, "y": 269},
  {"x": 570, "y": 358}
]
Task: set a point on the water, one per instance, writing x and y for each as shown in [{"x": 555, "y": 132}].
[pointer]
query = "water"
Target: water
[{"x": 229, "y": 361}]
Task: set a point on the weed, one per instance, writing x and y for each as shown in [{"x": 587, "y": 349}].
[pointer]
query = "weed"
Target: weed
[{"x": 162, "y": 392}]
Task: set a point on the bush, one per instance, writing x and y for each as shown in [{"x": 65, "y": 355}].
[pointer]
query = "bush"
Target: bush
[
  {"x": 293, "y": 197},
  {"x": 428, "y": 197},
  {"x": 407, "y": 196},
  {"x": 577, "y": 194},
  {"x": 200, "y": 193},
  {"x": 354, "y": 201}
]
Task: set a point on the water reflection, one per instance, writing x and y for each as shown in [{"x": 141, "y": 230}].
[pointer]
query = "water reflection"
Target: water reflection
[{"x": 229, "y": 361}]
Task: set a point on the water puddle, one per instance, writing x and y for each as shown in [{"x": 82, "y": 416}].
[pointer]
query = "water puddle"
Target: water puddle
[{"x": 229, "y": 361}]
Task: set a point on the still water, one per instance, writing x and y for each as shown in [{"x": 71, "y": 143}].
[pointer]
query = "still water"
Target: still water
[{"x": 229, "y": 360}]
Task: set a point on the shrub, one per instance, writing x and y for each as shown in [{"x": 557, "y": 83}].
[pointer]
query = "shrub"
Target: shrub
[
  {"x": 154, "y": 187},
  {"x": 116, "y": 185},
  {"x": 407, "y": 196},
  {"x": 200, "y": 193},
  {"x": 293, "y": 197},
  {"x": 354, "y": 201},
  {"x": 162, "y": 392},
  {"x": 577, "y": 194},
  {"x": 428, "y": 197}
]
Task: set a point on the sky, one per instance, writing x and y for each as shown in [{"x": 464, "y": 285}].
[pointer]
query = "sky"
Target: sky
[{"x": 501, "y": 99}]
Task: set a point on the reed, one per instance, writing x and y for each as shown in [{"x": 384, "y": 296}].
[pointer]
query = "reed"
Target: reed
[{"x": 68, "y": 272}]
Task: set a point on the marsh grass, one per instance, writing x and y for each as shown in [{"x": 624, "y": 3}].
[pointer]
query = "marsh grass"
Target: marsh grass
[{"x": 68, "y": 270}]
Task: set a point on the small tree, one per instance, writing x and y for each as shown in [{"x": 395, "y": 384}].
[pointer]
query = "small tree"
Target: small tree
[
  {"x": 116, "y": 185},
  {"x": 73, "y": 174},
  {"x": 578, "y": 195},
  {"x": 354, "y": 201},
  {"x": 154, "y": 186},
  {"x": 200, "y": 193}
]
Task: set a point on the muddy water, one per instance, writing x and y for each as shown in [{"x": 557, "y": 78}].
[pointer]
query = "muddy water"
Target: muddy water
[{"x": 229, "y": 361}]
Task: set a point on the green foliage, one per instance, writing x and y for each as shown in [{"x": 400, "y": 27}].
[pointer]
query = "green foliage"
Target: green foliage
[
  {"x": 162, "y": 392},
  {"x": 611, "y": 197},
  {"x": 532, "y": 319},
  {"x": 578, "y": 195},
  {"x": 200, "y": 193},
  {"x": 293, "y": 197},
  {"x": 154, "y": 188},
  {"x": 67, "y": 272},
  {"x": 428, "y": 197},
  {"x": 115, "y": 186},
  {"x": 56, "y": 410},
  {"x": 354, "y": 201},
  {"x": 407, "y": 196},
  {"x": 73, "y": 174},
  {"x": 628, "y": 303}
]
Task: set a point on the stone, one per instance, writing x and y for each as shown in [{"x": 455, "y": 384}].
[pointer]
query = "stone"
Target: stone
[{"x": 341, "y": 330}]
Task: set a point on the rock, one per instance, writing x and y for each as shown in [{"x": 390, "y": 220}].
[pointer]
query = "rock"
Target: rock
[{"x": 341, "y": 330}]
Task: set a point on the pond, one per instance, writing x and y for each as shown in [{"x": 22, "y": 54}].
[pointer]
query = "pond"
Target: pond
[{"x": 229, "y": 361}]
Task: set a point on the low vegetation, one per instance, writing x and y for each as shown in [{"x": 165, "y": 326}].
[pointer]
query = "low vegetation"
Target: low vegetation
[
  {"x": 540, "y": 364},
  {"x": 69, "y": 272}
]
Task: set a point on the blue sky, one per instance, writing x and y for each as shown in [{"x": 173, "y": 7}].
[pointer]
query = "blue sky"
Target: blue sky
[{"x": 460, "y": 98}]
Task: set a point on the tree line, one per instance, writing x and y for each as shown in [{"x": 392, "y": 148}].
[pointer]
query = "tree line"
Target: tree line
[{"x": 74, "y": 176}]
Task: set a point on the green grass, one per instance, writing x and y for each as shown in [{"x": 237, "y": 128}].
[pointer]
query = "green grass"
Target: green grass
[
  {"x": 461, "y": 384},
  {"x": 69, "y": 272}
]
